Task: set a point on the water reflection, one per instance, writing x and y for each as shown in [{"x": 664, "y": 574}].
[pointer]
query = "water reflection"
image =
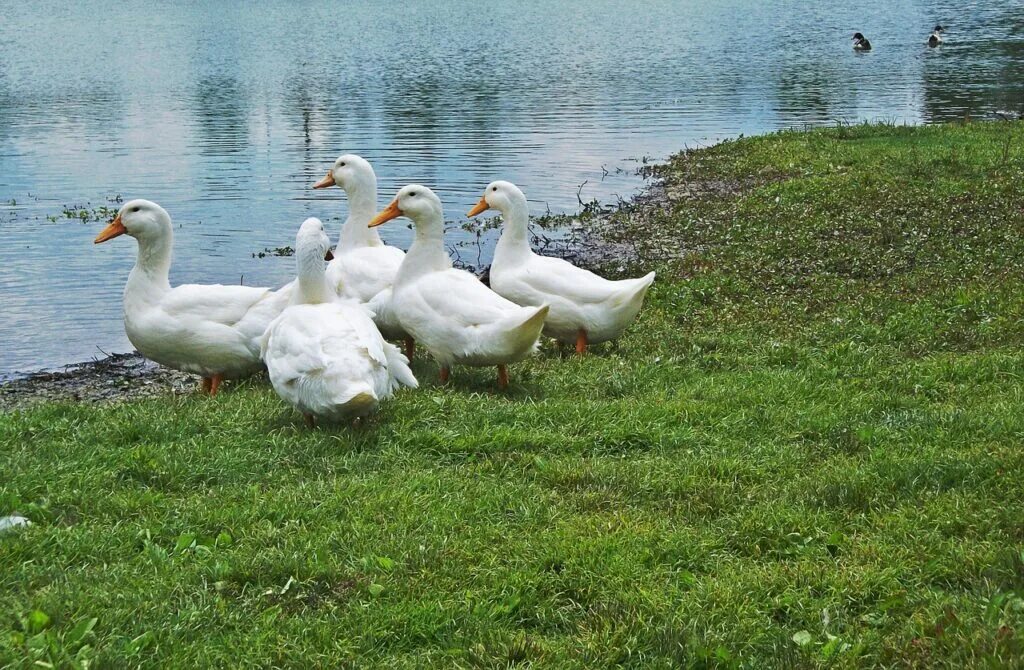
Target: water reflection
[
  {"x": 222, "y": 115},
  {"x": 226, "y": 113},
  {"x": 951, "y": 89}
]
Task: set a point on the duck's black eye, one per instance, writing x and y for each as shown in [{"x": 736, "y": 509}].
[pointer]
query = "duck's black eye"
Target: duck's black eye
[
  {"x": 413, "y": 194},
  {"x": 342, "y": 164},
  {"x": 494, "y": 188},
  {"x": 135, "y": 209}
]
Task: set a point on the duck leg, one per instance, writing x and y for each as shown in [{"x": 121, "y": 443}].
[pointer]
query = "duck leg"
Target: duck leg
[
  {"x": 581, "y": 342},
  {"x": 445, "y": 373},
  {"x": 502, "y": 376},
  {"x": 310, "y": 421},
  {"x": 215, "y": 383},
  {"x": 207, "y": 383},
  {"x": 410, "y": 348}
]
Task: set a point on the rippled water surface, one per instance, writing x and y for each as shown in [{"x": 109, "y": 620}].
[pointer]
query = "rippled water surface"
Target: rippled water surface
[{"x": 226, "y": 112}]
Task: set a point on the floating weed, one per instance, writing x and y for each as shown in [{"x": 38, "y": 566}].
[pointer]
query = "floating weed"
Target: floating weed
[{"x": 275, "y": 251}]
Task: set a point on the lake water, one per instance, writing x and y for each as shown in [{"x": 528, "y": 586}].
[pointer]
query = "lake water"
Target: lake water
[{"x": 226, "y": 112}]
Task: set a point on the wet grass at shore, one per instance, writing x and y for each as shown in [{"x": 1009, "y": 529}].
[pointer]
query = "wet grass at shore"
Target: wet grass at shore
[{"x": 806, "y": 453}]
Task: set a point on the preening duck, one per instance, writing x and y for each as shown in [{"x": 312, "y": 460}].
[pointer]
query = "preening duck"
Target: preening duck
[
  {"x": 207, "y": 329},
  {"x": 324, "y": 355},
  {"x": 935, "y": 39},
  {"x": 364, "y": 267},
  {"x": 861, "y": 43},
  {"x": 585, "y": 308},
  {"x": 449, "y": 311}
]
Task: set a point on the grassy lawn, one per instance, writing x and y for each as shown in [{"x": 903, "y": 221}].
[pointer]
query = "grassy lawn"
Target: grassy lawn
[{"x": 809, "y": 451}]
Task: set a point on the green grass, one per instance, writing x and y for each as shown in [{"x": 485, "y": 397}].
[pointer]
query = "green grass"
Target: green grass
[{"x": 809, "y": 451}]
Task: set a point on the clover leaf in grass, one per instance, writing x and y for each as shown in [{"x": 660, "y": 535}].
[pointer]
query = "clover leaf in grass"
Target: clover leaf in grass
[{"x": 803, "y": 638}]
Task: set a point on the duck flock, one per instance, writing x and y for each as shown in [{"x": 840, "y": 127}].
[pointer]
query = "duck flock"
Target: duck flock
[
  {"x": 861, "y": 43},
  {"x": 324, "y": 338}
]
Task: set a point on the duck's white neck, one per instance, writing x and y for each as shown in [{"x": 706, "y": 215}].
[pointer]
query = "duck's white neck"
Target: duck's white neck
[
  {"x": 514, "y": 241},
  {"x": 312, "y": 287},
  {"x": 149, "y": 278},
  {"x": 427, "y": 253},
  {"x": 362, "y": 205}
]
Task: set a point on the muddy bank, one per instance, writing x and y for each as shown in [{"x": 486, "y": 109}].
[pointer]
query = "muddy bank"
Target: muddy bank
[{"x": 115, "y": 378}]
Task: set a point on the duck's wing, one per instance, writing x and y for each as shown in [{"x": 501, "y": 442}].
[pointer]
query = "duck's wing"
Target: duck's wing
[
  {"x": 559, "y": 278},
  {"x": 295, "y": 360},
  {"x": 365, "y": 333},
  {"x": 226, "y": 305},
  {"x": 308, "y": 340},
  {"x": 328, "y": 353},
  {"x": 460, "y": 298}
]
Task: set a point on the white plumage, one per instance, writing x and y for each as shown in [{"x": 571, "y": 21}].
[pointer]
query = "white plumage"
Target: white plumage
[
  {"x": 457, "y": 318},
  {"x": 583, "y": 304},
  {"x": 364, "y": 268},
  {"x": 210, "y": 329},
  {"x": 325, "y": 356}
]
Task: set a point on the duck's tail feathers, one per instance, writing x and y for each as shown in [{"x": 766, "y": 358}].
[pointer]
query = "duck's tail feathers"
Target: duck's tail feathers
[
  {"x": 398, "y": 368},
  {"x": 523, "y": 327},
  {"x": 525, "y": 319},
  {"x": 633, "y": 290},
  {"x": 362, "y": 400},
  {"x": 536, "y": 321}
]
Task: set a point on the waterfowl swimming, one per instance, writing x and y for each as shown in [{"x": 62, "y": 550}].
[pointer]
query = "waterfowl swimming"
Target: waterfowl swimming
[
  {"x": 364, "y": 267},
  {"x": 207, "y": 329},
  {"x": 449, "y": 311},
  {"x": 324, "y": 355},
  {"x": 935, "y": 39},
  {"x": 585, "y": 308},
  {"x": 861, "y": 43}
]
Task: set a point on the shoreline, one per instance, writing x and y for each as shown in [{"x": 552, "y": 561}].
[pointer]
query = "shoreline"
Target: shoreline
[
  {"x": 116, "y": 378},
  {"x": 126, "y": 376},
  {"x": 607, "y": 238}
]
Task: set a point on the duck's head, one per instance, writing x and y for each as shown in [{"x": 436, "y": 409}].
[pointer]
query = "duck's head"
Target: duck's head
[
  {"x": 140, "y": 219},
  {"x": 499, "y": 195},
  {"x": 938, "y": 29},
  {"x": 416, "y": 202},
  {"x": 349, "y": 172},
  {"x": 312, "y": 243},
  {"x": 858, "y": 38}
]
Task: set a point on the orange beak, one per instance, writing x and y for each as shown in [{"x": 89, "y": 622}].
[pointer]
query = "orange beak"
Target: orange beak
[
  {"x": 329, "y": 256},
  {"x": 326, "y": 181},
  {"x": 479, "y": 208},
  {"x": 113, "y": 229},
  {"x": 390, "y": 212}
]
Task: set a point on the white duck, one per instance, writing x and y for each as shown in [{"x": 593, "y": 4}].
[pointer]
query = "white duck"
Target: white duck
[
  {"x": 364, "y": 267},
  {"x": 324, "y": 355},
  {"x": 207, "y": 329},
  {"x": 585, "y": 308},
  {"x": 457, "y": 318}
]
